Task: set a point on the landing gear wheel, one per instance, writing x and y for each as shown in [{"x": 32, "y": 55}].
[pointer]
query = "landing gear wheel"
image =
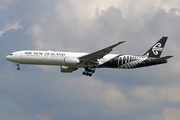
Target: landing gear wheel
[
  {"x": 84, "y": 73},
  {"x": 18, "y": 68},
  {"x": 87, "y": 74},
  {"x": 88, "y": 71},
  {"x": 93, "y": 71},
  {"x": 90, "y": 74}
]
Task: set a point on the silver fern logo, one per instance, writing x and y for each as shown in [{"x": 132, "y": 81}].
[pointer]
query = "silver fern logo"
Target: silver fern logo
[
  {"x": 134, "y": 63},
  {"x": 157, "y": 48}
]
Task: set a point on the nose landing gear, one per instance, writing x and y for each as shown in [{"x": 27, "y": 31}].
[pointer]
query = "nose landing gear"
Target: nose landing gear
[
  {"x": 18, "y": 68},
  {"x": 88, "y": 71}
]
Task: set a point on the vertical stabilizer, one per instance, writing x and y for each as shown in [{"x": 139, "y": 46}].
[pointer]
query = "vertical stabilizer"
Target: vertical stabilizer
[{"x": 156, "y": 50}]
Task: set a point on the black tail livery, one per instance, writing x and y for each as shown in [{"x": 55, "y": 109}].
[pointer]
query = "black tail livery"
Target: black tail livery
[{"x": 156, "y": 50}]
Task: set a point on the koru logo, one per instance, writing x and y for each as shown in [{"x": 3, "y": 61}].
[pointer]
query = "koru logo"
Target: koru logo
[{"x": 157, "y": 48}]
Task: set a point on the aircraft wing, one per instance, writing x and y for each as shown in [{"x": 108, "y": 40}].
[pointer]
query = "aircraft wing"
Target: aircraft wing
[
  {"x": 161, "y": 58},
  {"x": 92, "y": 57}
]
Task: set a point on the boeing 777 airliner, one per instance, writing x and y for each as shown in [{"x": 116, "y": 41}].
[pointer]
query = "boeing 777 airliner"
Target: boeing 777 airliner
[{"x": 71, "y": 61}]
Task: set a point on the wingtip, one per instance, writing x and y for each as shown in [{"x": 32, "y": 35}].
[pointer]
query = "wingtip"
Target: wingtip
[
  {"x": 170, "y": 56},
  {"x": 165, "y": 37},
  {"x": 122, "y": 42}
]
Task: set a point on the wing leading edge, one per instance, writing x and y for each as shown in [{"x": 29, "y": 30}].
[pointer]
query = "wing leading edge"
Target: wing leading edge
[{"x": 92, "y": 57}]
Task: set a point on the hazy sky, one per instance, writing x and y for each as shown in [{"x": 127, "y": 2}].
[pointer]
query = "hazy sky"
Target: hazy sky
[{"x": 44, "y": 93}]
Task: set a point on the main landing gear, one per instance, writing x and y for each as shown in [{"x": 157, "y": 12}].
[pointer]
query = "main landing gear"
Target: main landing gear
[
  {"x": 88, "y": 71},
  {"x": 18, "y": 68}
]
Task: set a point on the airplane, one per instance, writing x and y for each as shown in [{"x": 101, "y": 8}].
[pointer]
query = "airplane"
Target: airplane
[{"x": 71, "y": 61}]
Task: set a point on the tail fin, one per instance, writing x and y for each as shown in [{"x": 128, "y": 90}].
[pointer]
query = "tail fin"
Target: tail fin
[{"x": 156, "y": 50}]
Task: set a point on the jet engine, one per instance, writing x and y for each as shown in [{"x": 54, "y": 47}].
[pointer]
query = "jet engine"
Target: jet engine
[
  {"x": 71, "y": 61},
  {"x": 67, "y": 69}
]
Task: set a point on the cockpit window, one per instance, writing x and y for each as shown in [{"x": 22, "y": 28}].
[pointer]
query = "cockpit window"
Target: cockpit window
[{"x": 10, "y": 54}]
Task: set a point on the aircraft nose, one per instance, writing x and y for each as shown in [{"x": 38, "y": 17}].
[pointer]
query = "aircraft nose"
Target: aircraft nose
[{"x": 7, "y": 57}]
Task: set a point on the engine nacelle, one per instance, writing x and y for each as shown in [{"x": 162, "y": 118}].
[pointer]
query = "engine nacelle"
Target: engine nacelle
[
  {"x": 71, "y": 61},
  {"x": 67, "y": 69}
]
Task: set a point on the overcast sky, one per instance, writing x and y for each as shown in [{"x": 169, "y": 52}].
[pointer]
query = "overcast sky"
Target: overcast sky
[{"x": 44, "y": 93}]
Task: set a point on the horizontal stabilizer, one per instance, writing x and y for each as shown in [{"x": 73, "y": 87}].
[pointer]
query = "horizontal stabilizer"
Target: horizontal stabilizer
[{"x": 162, "y": 58}]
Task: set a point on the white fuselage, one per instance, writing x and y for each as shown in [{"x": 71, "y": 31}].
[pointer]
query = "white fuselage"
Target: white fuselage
[{"x": 49, "y": 57}]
